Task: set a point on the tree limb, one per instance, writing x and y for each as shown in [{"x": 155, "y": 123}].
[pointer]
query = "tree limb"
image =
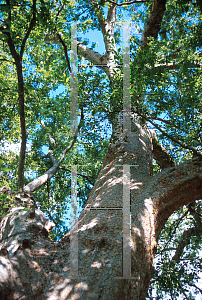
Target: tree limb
[
  {"x": 160, "y": 154},
  {"x": 84, "y": 176},
  {"x": 7, "y": 60},
  {"x": 127, "y": 3},
  {"x": 168, "y": 122},
  {"x": 111, "y": 14},
  {"x": 176, "y": 66},
  {"x": 178, "y": 186},
  {"x": 90, "y": 54},
  {"x": 153, "y": 24},
  {"x": 107, "y": 27},
  {"x": 52, "y": 141},
  {"x": 94, "y": 57},
  {"x": 65, "y": 51},
  {"x": 173, "y": 229},
  {"x": 39, "y": 181},
  {"x": 196, "y": 287}
]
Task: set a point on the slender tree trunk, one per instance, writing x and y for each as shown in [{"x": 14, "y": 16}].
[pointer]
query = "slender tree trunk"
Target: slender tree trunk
[
  {"x": 21, "y": 109},
  {"x": 23, "y": 125},
  {"x": 34, "y": 268},
  {"x": 21, "y": 99}
]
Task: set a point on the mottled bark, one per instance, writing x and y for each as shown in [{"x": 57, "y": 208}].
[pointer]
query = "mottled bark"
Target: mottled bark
[{"x": 38, "y": 269}]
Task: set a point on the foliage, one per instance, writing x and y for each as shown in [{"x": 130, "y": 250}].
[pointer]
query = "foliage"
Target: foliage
[
  {"x": 174, "y": 95},
  {"x": 170, "y": 279}
]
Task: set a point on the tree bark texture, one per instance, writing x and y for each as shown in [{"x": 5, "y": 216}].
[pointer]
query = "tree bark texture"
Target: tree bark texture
[{"x": 32, "y": 267}]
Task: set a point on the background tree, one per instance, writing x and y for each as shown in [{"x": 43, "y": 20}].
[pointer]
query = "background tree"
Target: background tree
[{"x": 165, "y": 87}]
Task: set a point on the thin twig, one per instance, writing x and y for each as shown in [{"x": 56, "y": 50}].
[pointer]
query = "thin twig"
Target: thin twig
[
  {"x": 168, "y": 122},
  {"x": 65, "y": 51},
  {"x": 127, "y": 3},
  {"x": 84, "y": 176},
  {"x": 3, "y": 59},
  {"x": 31, "y": 26}
]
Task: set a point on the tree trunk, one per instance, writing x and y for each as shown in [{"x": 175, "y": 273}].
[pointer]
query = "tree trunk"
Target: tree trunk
[{"x": 34, "y": 268}]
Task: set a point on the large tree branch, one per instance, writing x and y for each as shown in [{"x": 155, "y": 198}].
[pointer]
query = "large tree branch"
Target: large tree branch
[
  {"x": 175, "y": 187},
  {"x": 94, "y": 57},
  {"x": 39, "y": 181},
  {"x": 153, "y": 24},
  {"x": 107, "y": 27},
  {"x": 111, "y": 14},
  {"x": 160, "y": 154}
]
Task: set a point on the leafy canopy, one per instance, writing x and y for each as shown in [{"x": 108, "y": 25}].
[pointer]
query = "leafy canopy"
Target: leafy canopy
[{"x": 166, "y": 85}]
